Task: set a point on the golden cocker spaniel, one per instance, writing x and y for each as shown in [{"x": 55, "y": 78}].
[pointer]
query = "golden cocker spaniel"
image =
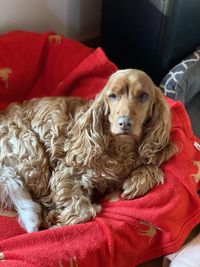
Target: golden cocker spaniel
[{"x": 57, "y": 151}]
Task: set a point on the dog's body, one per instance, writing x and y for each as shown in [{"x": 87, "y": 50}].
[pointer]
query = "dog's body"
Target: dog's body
[{"x": 54, "y": 152}]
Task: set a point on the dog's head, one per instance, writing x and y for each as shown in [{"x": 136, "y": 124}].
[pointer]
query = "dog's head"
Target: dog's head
[
  {"x": 132, "y": 107},
  {"x": 138, "y": 109},
  {"x": 131, "y": 96}
]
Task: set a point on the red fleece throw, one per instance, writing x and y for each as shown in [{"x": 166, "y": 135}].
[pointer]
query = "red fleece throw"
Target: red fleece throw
[{"x": 125, "y": 233}]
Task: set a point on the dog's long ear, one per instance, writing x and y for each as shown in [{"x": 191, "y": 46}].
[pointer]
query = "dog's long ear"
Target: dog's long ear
[
  {"x": 156, "y": 146},
  {"x": 87, "y": 137}
]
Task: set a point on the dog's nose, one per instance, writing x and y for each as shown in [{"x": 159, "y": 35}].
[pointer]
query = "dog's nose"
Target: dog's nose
[{"x": 125, "y": 123}]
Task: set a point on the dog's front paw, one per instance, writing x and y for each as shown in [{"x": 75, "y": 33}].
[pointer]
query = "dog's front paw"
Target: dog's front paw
[
  {"x": 132, "y": 189},
  {"x": 141, "y": 181},
  {"x": 89, "y": 213},
  {"x": 82, "y": 214}
]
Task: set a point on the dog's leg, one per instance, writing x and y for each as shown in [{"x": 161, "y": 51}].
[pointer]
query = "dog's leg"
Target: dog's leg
[
  {"x": 14, "y": 193},
  {"x": 78, "y": 210},
  {"x": 141, "y": 181},
  {"x": 72, "y": 192}
]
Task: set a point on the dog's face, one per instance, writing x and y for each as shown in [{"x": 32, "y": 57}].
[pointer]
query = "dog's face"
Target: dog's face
[{"x": 130, "y": 95}]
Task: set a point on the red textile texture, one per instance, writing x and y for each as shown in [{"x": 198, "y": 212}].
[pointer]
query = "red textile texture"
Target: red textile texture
[
  {"x": 36, "y": 65},
  {"x": 125, "y": 233}
]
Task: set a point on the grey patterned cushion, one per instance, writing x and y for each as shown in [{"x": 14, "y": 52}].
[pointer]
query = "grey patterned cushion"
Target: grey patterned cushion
[{"x": 183, "y": 81}]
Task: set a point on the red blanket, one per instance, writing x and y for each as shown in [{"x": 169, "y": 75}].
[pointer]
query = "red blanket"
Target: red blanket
[{"x": 125, "y": 233}]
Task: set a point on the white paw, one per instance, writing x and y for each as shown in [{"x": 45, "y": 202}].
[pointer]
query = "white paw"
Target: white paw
[
  {"x": 29, "y": 220},
  {"x": 29, "y": 217}
]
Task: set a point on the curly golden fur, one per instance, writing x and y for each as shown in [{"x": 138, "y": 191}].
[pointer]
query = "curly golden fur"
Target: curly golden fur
[{"x": 57, "y": 151}]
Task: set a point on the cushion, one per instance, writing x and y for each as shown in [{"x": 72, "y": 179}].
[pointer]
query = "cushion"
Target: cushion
[
  {"x": 183, "y": 83},
  {"x": 125, "y": 233}
]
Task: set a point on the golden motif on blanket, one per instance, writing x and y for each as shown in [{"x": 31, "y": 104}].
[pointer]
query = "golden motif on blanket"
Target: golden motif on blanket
[
  {"x": 197, "y": 175},
  {"x": 4, "y": 75}
]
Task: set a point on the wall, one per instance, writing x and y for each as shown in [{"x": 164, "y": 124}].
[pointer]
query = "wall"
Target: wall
[{"x": 78, "y": 19}]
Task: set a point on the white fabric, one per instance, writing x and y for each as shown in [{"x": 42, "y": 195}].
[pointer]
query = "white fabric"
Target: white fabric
[{"x": 187, "y": 256}]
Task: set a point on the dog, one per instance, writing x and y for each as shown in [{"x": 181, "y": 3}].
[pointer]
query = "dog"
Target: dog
[{"x": 56, "y": 152}]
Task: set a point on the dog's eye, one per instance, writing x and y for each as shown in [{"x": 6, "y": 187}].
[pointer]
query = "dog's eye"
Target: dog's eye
[
  {"x": 112, "y": 96},
  {"x": 143, "y": 97}
]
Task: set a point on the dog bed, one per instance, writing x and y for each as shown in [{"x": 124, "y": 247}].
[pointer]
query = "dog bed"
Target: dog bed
[{"x": 125, "y": 233}]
